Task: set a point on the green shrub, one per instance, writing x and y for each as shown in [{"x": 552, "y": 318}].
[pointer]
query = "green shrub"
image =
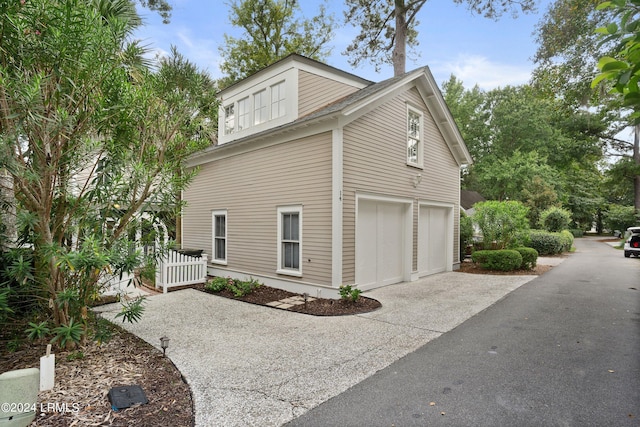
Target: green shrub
[
  {"x": 243, "y": 288},
  {"x": 218, "y": 284},
  {"x": 466, "y": 233},
  {"x": 546, "y": 243},
  {"x": 502, "y": 259},
  {"x": 500, "y": 222},
  {"x": 567, "y": 240},
  {"x": 619, "y": 217},
  {"x": 555, "y": 219},
  {"x": 576, "y": 232},
  {"x": 349, "y": 293},
  {"x": 529, "y": 257}
]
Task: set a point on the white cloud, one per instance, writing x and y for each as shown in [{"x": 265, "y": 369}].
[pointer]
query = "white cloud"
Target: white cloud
[{"x": 474, "y": 69}]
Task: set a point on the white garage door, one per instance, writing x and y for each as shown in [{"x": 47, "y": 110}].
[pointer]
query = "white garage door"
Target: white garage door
[
  {"x": 380, "y": 243},
  {"x": 434, "y": 245}
]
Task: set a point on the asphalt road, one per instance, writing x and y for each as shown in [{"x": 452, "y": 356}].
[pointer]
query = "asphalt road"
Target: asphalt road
[{"x": 562, "y": 350}]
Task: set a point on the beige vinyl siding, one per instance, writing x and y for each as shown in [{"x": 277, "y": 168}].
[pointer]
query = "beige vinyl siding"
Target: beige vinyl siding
[
  {"x": 316, "y": 91},
  {"x": 251, "y": 186},
  {"x": 375, "y": 162}
]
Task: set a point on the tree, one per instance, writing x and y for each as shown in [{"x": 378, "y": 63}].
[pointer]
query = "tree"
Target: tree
[
  {"x": 387, "y": 27},
  {"x": 272, "y": 30},
  {"x": 500, "y": 222},
  {"x": 623, "y": 68},
  {"x": 90, "y": 138}
]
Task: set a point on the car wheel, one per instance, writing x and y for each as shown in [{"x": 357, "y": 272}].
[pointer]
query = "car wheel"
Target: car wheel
[{"x": 627, "y": 254}]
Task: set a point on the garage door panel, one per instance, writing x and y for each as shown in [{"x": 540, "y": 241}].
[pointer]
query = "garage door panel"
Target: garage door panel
[
  {"x": 433, "y": 240},
  {"x": 380, "y": 241}
]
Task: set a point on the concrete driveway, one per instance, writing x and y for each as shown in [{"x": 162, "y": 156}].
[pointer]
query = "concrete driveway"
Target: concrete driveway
[{"x": 250, "y": 365}]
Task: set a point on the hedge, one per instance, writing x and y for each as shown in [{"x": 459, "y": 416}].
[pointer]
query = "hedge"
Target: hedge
[
  {"x": 501, "y": 259},
  {"x": 547, "y": 243},
  {"x": 529, "y": 257}
]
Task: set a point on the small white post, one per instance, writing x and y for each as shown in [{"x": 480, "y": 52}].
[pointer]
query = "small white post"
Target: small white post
[{"x": 47, "y": 370}]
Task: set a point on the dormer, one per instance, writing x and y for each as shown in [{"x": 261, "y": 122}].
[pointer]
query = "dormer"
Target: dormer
[{"x": 287, "y": 90}]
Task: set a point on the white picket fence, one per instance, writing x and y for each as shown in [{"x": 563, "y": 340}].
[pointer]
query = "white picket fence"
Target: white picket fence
[{"x": 176, "y": 269}]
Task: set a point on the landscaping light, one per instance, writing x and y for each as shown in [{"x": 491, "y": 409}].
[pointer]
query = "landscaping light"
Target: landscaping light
[{"x": 164, "y": 343}]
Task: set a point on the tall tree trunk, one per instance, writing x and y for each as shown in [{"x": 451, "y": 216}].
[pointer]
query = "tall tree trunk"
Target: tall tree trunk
[
  {"x": 636, "y": 159},
  {"x": 399, "y": 56}
]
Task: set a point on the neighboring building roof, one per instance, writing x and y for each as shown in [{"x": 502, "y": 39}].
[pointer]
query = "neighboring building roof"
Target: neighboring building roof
[
  {"x": 470, "y": 198},
  {"x": 359, "y": 103}
]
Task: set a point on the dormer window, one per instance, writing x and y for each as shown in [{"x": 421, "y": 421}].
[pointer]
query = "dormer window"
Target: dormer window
[
  {"x": 229, "y": 119},
  {"x": 278, "y": 100},
  {"x": 244, "y": 114},
  {"x": 260, "y": 107}
]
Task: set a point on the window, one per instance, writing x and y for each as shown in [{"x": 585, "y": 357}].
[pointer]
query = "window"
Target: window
[
  {"x": 290, "y": 240},
  {"x": 219, "y": 237},
  {"x": 414, "y": 137},
  {"x": 243, "y": 114},
  {"x": 277, "y": 100},
  {"x": 229, "y": 119},
  {"x": 260, "y": 107}
]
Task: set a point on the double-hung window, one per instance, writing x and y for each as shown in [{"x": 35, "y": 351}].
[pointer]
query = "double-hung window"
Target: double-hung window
[
  {"x": 219, "y": 237},
  {"x": 278, "y": 100},
  {"x": 290, "y": 240},
  {"x": 414, "y": 137},
  {"x": 260, "y": 107},
  {"x": 229, "y": 119},
  {"x": 244, "y": 114}
]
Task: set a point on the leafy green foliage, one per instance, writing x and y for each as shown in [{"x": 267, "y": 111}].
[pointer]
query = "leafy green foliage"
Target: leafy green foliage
[
  {"x": 621, "y": 217},
  {"x": 92, "y": 134},
  {"x": 567, "y": 240},
  {"x": 241, "y": 288},
  {"x": 218, "y": 284},
  {"x": 501, "y": 260},
  {"x": 103, "y": 331},
  {"x": 349, "y": 293},
  {"x": 466, "y": 233},
  {"x": 387, "y": 27},
  {"x": 555, "y": 219},
  {"x": 68, "y": 334},
  {"x": 272, "y": 29},
  {"x": 529, "y": 257},
  {"x": 37, "y": 331},
  {"x": 547, "y": 243},
  {"x": 500, "y": 222},
  {"x": 132, "y": 310}
]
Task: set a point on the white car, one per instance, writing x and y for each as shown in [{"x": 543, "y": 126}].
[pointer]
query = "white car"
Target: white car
[{"x": 632, "y": 244}]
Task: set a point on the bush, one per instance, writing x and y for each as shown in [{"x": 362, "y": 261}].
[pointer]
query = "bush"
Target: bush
[
  {"x": 529, "y": 257},
  {"x": 567, "y": 240},
  {"x": 500, "y": 222},
  {"x": 239, "y": 288},
  {"x": 547, "y": 243},
  {"x": 555, "y": 219},
  {"x": 502, "y": 259},
  {"x": 217, "y": 284},
  {"x": 620, "y": 217},
  {"x": 349, "y": 293},
  {"x": 576, "y": 232},
  {"x": 466, "y": 233}
]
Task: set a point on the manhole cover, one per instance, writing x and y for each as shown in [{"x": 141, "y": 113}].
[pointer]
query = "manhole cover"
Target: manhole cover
[{"x": 126, "y": 396}]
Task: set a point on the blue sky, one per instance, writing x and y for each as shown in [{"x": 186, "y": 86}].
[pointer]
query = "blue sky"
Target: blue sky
[{"x": 452, "y": 40}]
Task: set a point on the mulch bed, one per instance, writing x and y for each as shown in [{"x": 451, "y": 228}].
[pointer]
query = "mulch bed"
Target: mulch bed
[
  {"x": 263, "y": 295},
  {"x": 85, "y": 376}
]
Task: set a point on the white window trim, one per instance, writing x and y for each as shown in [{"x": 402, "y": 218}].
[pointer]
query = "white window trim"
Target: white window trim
[
  {"x": 420, "y": 153},
  {"x": 282, "y": 210},
  {"x": 244, "y": 115},
  {"x": 214, "y": 260}
]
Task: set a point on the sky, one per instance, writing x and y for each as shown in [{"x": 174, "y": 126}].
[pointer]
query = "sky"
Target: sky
[{"x": 452, "y": 40}]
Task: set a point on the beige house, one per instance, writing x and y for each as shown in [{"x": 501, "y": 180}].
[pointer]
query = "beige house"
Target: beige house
[{"x": 321, "y": 178}]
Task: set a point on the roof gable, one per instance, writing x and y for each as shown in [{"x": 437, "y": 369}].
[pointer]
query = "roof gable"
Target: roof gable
[{"x": 357, "y": 104}]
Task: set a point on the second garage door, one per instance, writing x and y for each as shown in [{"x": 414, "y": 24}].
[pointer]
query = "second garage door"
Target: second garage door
[
  {"x": 381, "y": 237},
  {"x": 434, "y": 239}
]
